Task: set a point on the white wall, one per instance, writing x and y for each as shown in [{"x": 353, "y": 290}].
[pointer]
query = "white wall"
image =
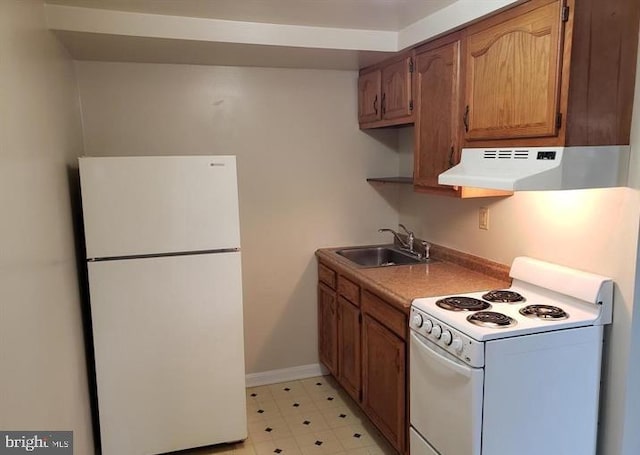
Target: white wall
[
  {"x": 43, "y": 379},
  {"x": 631, "y": 437},
  {"x": 302, "y": 164}
]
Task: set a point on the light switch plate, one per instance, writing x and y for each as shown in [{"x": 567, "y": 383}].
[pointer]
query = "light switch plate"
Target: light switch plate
[{"x": 483, "y": 218}]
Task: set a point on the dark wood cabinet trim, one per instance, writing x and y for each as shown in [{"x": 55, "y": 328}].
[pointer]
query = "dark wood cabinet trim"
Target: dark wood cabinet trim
[
  {"x": 349, "y": 290},
  {"x": 380, "y": 310},
  {"x": 326, "y": 275}
]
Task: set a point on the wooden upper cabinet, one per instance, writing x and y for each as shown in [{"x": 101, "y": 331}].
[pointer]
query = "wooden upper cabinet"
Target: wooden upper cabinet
[
  {"x": 599, "y": 86},
  {"x": 396, "y": 88},
  {"x": 385, "y": 93},
  {"x": 369, "y": 94},
  {"x": 542, "y": 73},
  {"x": 438, "y": 132},
  {"x": 438, "y": 115},
  {"x": 513, "y": 74}
]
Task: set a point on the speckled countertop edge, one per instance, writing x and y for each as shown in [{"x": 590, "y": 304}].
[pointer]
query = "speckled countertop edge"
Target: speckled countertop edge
[{"x": 453, "y": 272}]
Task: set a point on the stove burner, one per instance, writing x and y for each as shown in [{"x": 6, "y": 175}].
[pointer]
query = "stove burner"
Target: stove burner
[
  {"x": 545, "y": 312},
  {"x": 503, "y": 296},
  {"x": 491, "y": 319},
  {"x": 457, "y": 303}
]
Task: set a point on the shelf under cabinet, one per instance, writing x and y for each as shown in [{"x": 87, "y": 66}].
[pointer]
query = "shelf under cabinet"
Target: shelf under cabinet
[{"x": 401, "y": 180}]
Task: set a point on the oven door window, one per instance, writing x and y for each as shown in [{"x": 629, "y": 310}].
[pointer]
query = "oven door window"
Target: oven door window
[{"x": 445, "y": 399}]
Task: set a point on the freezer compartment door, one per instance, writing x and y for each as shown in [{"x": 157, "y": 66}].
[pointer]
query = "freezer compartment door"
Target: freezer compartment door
[
  {"x": 169, "y": 352},
  {"x": 154, "y": 205}
]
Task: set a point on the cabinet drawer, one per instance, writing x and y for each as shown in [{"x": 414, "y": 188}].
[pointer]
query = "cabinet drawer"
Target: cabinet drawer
[
  {"x": 384, "y": 313},
  {"x": 349, "y": 290},
  {"x": 327, "y": 276}
]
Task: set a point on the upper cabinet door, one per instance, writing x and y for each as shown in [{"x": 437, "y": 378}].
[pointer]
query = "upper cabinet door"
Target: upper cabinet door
[
  {"x": 513, "y": 74},
  {"x": 437, "y": 118},
  {"x": 369, "y": 102},
  {"x": 396, "y": 89}
]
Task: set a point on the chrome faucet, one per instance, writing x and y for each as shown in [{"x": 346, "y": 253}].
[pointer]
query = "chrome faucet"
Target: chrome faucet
[
  {"x": 406, "y": 244},
  {"x": 410, "y": 237}
]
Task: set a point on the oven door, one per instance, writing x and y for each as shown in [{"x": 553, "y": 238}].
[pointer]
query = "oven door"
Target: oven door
[{"x": 445, "y": 399}]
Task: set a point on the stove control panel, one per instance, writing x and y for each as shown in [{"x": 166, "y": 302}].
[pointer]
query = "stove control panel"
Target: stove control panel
[{"x": 453, "y": 341}]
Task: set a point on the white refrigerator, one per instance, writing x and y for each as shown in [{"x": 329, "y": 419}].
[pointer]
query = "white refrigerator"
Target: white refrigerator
[{"x": 163, "y": 256}]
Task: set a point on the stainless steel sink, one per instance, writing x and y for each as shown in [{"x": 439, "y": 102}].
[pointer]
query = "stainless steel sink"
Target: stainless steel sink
[{"x": 379, "y": 256}]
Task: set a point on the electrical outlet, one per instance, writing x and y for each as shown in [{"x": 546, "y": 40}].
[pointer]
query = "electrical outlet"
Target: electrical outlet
[{"x": 483, "y": 218}]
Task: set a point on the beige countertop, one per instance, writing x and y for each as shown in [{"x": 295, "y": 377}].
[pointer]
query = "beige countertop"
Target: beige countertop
[{"x": 451, "y": 272}]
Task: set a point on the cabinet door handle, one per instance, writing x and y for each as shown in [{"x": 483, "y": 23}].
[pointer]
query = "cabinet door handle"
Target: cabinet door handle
[
  {"x": 465, "y": 119},
  {"x": 375, "y": 104},
  {"x": 451, "y": 162},
  {"x": 384, "y": 103}
]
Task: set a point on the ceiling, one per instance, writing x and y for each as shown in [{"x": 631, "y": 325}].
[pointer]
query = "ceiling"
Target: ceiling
[
  {"x": 391, "y": 15},
  {"x": 322, "y": 34}
]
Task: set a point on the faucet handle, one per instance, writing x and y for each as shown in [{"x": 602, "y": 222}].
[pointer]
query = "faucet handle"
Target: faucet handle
[
  {"x": 407, "y": 231},
  {"x": 410, "y": 236},
  {"x": 427, "y": 247}
]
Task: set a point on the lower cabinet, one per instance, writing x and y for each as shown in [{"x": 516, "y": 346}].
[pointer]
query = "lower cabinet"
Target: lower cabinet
[
  {"x": 349, "y": 371},
  {"x": 384, "y": 380},
  {"x": 328, "y": 328},
  {"x": 361, "y": 341}
]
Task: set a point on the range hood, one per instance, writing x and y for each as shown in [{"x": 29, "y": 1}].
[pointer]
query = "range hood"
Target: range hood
[{"x": 540, "y": 168}]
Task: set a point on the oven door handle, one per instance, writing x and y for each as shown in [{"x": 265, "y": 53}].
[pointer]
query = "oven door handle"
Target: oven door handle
[{"x": 425, "y": 349}]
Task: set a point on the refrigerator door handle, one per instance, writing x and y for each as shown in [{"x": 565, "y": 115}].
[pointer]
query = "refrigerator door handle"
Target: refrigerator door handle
[{"x": 164, "y": 255}]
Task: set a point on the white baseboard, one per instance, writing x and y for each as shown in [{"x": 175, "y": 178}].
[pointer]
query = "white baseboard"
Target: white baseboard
[{"x": 285, "y": 374}]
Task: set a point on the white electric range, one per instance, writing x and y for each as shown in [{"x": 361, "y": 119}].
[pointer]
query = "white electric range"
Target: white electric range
[{"x": 513, "y": 371}]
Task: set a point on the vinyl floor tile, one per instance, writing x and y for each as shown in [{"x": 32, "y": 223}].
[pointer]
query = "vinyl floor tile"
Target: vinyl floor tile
[
  {"x": 294, "y": 405},
  {"x": 306, "y": 422},
  {"x": 287, "y": 446},
  {"x": 319, "y": 443},
  {"x": 326, "y": 421},
  {"x": 354, "y": 437},
  {"x": 262, "y": 410},
  {"x": 269, "y": 429},
  {"x": 342, "y": 416},
  {"x": 286, "y": 390},
  {"x": 329, "y": 400},
  {"x": 259, "y": 393}
]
